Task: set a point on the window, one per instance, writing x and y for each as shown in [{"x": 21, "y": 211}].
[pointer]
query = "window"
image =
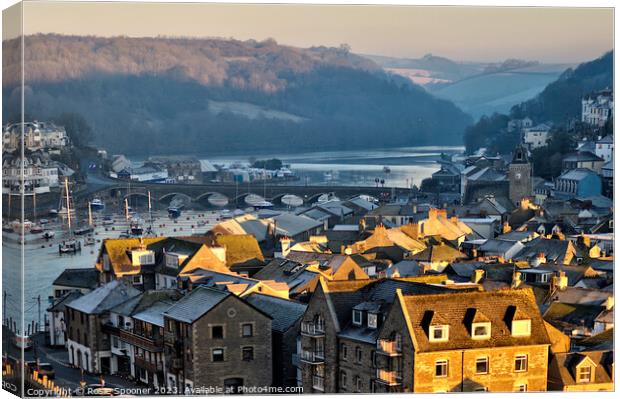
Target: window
[
  {"x": 521, "y": 388},
  {"x": 481, "y": 389},
  {"x": 482, "y": 365},
  {"x": 358, "y": 354},
  {"x": 343, "y": 351},
  {"x": 217, "y": 332},
  {"x": 481, "y": 330},
  {"x": 247, "y": 353},
  {"x": 372, "y": 320},
  {"x": 343, "y": 379},
  {"x": 357, "y": 317},
  {"x": 584, "y": 374},
  {"x": 137, "y": 279},
  {"x": 358, "y": 384},
  {"x": 439, "y": 333},
  {"x": 246, "y": 330},
  {"x": 218, "y": 355},
  {"x": 521, "y": 363},
  {"x": 441, "y": 368},
  {"x": 521, "y": 328}
]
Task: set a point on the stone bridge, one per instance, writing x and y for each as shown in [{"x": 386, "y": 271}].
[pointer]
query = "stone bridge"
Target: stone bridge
[{"x": 221, "y": 194}]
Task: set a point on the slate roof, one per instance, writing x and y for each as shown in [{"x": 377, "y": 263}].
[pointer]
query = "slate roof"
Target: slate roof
[
  {"x": 584, "y": 296},
  {"x": 104, "y": 298},
  {"x": 601, "y": 341},
  {"x": 582, "y": 156},
  {"x": 439, "y": 253},
  {"x": 498, "y": 246},
  {"x": 154, "y": 314},
  {"x": 517, "y": 236},
  {"x": 86, "y": 278},
  {"x": 284, "y": 313},
  {"x": 240, "y": 249},
  {"x": 564, "y": 365},
  {"x": 293, "y": 273},
  {"x": 565, "y": 315},
  {"x": 291, "y": 225},
  {"x": 554, "y": 250},
  {"x": 457, "y": 308},
  {"x": 577, "y": 174},
  {"x": 60, "y": 304},
  {"x": 195, "y": 304},
  {"x": 405, "y": 268}
]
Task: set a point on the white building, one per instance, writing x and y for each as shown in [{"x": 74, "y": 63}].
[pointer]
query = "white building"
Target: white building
[
  {"x": 39, "y": 175},
  {"x": 605, "y": 148},
  {"x": 536, "y": 136},
  {"x": 37, "y": 136},
  {"x": 596, "y": 109}
]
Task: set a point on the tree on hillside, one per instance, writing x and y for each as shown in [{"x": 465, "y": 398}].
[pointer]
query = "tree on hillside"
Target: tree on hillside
[{"x": 78, "y": 130}]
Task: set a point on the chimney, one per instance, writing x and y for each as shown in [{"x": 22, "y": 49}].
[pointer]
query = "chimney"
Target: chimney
[
  {"x": 477, "y": 276},
  {"x": 538, "y": 260},
  {"x": 362, "y": 225},
  {"x": 516, "y": 280},
  {"x": 609, "y": 303},
  {"x": 506, "y": 228},
  {"x": 559, "y": 281},
  {"x": 285, "y": 243}
]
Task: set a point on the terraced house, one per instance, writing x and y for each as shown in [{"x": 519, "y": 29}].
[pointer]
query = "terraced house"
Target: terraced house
[{"x": 462, "y": 342}]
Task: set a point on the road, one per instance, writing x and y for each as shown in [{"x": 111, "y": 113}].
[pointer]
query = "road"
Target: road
[{"x": 66, "y": 375}]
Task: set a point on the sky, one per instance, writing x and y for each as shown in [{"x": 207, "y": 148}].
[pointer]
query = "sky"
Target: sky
[{"x": 560, "y": 35}]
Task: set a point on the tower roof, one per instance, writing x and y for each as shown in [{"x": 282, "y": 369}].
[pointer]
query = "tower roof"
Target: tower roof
[{"x": 519, "y": 156}]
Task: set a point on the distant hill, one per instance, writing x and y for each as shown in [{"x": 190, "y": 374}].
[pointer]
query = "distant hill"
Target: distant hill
[
  {"x": 559, "y": 102},
  {"x": 165, "y": 95},
  {"x": 479, "y": 88}
]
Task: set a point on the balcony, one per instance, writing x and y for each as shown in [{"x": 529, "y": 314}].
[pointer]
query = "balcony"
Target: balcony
[
  {"x": 149, "y": 366},
  {"x": 312, "y": 329},
  {"x": 312, "y": 357},
  {"x": 109, "y": 328},
  {"x": 318, "y": 382},
  {"x": 388, "y": 348},
  {"x": 388, "y": 377},
  {"x": 153, "y": 345}
]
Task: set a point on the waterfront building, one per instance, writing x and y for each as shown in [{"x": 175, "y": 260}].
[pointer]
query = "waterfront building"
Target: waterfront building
[{"x": 577, "y": 183}]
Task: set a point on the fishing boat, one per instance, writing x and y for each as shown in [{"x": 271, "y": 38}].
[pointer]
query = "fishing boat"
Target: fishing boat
[
  {"x": 43, "y": 221},
  {"x": 135, "y": 227},
  {"x": 69, "y": 246},
  {"x": 174, "y": 212},
  {"x": 90, "y": 240},
  {"x": 36, "y": 229},
  {"x": 49, "y": 234},
  {"x": 97, "y": 204},
  {"x": 83, "y": 230}
]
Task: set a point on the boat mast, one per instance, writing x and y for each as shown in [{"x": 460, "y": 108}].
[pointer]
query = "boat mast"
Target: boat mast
[
  {"x": 68, "y": 203},
  {"x": 126, "y": 210},
  {"x": 90, "y": 215},
  {"x": 150, "y": 212}
]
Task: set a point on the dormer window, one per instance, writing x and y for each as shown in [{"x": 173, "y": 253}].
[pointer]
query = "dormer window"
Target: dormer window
[
  {"x": 357, "y": 317},
  {"x": 520, "y": 322},
  {"x": 172, "y": 261},
  {"x": 584, "y": 374},
  {"x": 481, "y": 330},
  {"x": 439, "y": 333},
  {"x": 372, "y": 320}
]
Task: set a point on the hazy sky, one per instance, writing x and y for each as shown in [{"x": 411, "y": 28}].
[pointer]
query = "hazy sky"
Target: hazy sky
[{"x": 462, "y": 33}]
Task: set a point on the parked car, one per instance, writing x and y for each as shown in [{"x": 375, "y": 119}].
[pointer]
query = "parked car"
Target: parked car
[
  {"x": 45, "y": 369},
  {"x": 22, "y": 341}
]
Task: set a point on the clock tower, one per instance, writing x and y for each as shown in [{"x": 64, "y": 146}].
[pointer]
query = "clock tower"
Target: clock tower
[{"x": 520, "y": 176}]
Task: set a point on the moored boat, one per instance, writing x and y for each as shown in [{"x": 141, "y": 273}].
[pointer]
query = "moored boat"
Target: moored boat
[
  {"x": 97, "y": 204},
  {"x": 69, "y": 246}
]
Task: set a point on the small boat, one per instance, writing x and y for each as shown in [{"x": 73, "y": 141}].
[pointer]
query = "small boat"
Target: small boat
[
  {"x": 174, "y": 212},
  {"x": 97, "y": 204},
  {"x": 7, "y": 228},
  {"x": 124, "y": 235},
  {"x": 53, "y": 212},
  {"x": 69, "y": 246},
  {"x": 17, "y": 226},
  {"x": 135, "y": 227},
  {"x": 263, "y": 204},
  {"x": 201, "y": 223},
  {"x": 83, "y": 230},
  {"x": 36, "y": 229},
  {"x": 107, "y": 221},
  {"x": 43, "y": 221},
  {"x": 49, "y": 234},
  {"x": 226, "y": 214},
  {"x": 89, "y": 240},
  {"x": 386, "y": 169}
]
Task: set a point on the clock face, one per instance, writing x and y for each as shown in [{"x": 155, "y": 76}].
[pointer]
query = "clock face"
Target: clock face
[{"x": 518, "y": 175}]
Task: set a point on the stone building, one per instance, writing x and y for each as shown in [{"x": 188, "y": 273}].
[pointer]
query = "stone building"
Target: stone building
[
  {"x": 339, "y": 332},
  {"x": 469, "y": 341},
  {"x": 520, "y": 176},
  {"x": 88, "y": 345},
  {"x": 214, "y": 339}
]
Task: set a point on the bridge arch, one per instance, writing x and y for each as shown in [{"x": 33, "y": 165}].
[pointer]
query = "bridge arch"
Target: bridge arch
[
  {"x": 213, "y": 198},
  {"x": 166, "y": 198}
]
